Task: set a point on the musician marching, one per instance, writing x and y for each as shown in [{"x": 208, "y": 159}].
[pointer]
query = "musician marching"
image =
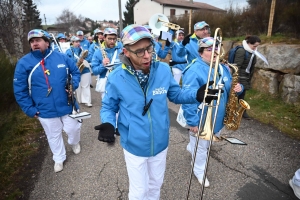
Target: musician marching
[
  {"x": 190, "y": 44},
  {"x": 177, "y": 63},
  {"x": 98, "y": 35},
  {"x": 195, "y": 75},
  {"x": 40, "y": 90},
  {"x": 84, "y": 43},
  {"x": 107, "y": 54},
  {"x": 76, "y": 52}
]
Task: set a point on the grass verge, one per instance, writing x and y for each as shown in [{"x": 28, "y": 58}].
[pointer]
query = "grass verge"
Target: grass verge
[
  {"x": 271, "y": 110},
  {"x": 19, "y": 141}
]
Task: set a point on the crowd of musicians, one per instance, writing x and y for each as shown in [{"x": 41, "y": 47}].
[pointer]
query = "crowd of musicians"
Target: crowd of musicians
[{"x": 134, "y": 103}]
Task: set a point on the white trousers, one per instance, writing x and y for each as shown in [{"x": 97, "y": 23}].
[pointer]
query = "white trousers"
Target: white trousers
[
  {"x": 296, "y": 178},
  {"x": 83, "y": 92},
  {"x": 53, "y": 128},
  {"x": 177, "y": 74},
  {"x": 201, "y": 155},
  {"x": 146, "y": 175}
]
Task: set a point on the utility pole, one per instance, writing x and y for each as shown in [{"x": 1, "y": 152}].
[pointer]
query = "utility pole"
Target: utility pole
[
  {"x": 272, "y": 11},
  {"x": 190, "y": 19},
  {"x": 45, "y": 19},
  {"x": 120, "y": 17}
]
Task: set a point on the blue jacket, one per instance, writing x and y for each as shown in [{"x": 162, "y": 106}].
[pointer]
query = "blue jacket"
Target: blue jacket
[
  {"x": 194, "y": 76},
  {"x": 71, "y": 52},
  {"x": 97, "y": 66},
  {"x": 141, "y": 135},
  {"x": 190, "y": 49},
  {"x": 85, "y": 44},
  {"x": 181, "y": 60},
  {"x": 56, "y": 103},
  {"x": 93, "y": 47},
  {"x": 162, "y": 53}
]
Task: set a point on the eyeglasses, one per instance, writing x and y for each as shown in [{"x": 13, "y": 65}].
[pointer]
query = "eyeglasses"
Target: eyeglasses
[
  {"x": 112, "y": 39},
  {"x": 210, "y": 49},
  {"x": 141, "y": 52}
]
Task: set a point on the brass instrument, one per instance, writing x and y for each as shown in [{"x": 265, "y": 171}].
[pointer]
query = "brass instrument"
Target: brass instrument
[
  {"x": 80, "y": 63},
  {"x": 160, "y": 22},
  {"x": 205, "y": 131},
  {"x": 234, "y": 108}
]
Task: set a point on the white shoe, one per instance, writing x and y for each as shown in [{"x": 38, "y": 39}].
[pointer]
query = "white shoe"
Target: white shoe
[
  {"x": 76, "y": 148},
  {"x": 58, "y": 167},
  {"x": 89, "y": 104},
  {"x": 295, "y": 188},
  {"x": 206, "y": 182}
]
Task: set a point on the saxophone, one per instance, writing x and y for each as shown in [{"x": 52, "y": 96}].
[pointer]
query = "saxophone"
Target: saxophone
[
  {"x": 234, "y": 108},
  {"x": 80, "y": 63}
]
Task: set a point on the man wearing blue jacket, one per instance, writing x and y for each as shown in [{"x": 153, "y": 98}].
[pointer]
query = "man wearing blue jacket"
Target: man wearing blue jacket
[
  {"x": 190, "y": 44},
  {"x": 139, "y": 89},
  {"x": 107, "y": 54},
  {"x": 195, "y": 75},
  {"x": 84, "y": 43},
  {"x": 178, "y": 63},
  {"x": 40, "y": 90}
]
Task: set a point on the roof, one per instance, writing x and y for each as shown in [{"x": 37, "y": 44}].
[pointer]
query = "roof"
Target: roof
[{"x": 188, "y": 4}]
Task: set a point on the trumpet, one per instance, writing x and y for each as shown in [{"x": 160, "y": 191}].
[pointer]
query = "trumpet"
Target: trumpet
[{"x": 160, "y": 22}]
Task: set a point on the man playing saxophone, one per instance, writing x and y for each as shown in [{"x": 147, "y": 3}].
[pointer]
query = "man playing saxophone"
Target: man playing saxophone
[
  {"x": 107, "y": 56},
  {"x": 195, "y": 75},
  {"x": 76, "y": 53}
]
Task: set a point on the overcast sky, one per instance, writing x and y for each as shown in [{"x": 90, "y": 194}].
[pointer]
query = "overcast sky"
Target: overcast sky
[{"x": 102, "y": 9}]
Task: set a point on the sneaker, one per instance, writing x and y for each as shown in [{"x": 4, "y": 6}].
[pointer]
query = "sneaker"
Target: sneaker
[
  {"x": 58, "y": 167},
  {"x": 295, "y": 188},
  {"x": 76, "y": 148},
  {"x": 89, "y": 104},
  {"x": 117, "y": 132},
  {"x": 245, "y": 115},
  {"x": 206, "y": 182}
]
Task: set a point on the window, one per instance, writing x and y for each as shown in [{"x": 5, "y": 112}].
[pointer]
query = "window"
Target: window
[{"x": 172, "y": 12}]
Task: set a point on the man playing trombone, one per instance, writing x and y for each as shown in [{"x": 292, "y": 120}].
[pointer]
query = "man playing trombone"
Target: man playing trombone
[{"x": 195, "y": 75}]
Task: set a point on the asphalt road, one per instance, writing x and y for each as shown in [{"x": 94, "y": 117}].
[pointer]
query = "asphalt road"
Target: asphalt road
[{"x": 259, "y": 170}]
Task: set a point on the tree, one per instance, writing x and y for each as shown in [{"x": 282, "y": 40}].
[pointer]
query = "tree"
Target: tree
[{"x": 128, "y": 15}]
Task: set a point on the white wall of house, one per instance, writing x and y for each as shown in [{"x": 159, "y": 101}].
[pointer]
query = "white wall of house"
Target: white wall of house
[
  {"x": 178, "y": 11},
  {"x": 144, "y": 9}
]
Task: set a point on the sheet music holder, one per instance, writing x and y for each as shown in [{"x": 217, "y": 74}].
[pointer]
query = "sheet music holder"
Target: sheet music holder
[{"x": 233, "y": 140}]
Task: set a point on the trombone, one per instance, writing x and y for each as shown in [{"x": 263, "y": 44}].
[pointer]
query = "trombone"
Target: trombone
[{"x": 205, "y": 131}]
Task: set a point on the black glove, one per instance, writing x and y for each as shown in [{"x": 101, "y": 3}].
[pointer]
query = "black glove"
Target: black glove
[
  {"x": 186, "y": 39},
  {"x": 201, "y": 91},
  {"x": 168, "y": 43},
  {"x": 106, "y": 132}
]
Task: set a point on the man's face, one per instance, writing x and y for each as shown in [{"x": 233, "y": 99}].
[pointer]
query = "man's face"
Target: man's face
[
  {"x": 80, "y": 37},
  {"x": 144, "y": 46},
  {"x": 202, "y": 33},
  {"x": 100, "y": 36},
  {"x": 180, "y": 37},
  {"x": 90, "y": 39},
  {"x": 38, "y": 44},
  {"x": 62, "y": 40},
  {"x": 110, "y": 40}
]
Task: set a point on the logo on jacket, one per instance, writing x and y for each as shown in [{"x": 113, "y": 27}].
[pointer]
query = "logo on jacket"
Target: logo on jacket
[
  {"x": 61, "y": 65},
  {"x": 160, "y": 90}
]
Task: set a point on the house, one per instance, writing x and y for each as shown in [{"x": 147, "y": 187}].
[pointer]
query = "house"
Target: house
[{"x": 144, "y": 9}]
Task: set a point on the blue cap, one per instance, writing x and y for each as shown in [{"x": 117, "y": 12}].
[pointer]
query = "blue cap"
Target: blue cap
[
  {"x": 38, "y": 33},
  {"x": 110, "y": 31},
  {"x": 74, "y": 38},
  {"x": 79, "y": 33},
  {"x": 61, "y": 35},
  {"x": 200, "y": 25}
]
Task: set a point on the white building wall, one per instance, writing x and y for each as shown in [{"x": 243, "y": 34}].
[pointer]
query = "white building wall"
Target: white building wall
[
  {"x": 144, "y": 9},
  {"x": 178, "y": 11}
]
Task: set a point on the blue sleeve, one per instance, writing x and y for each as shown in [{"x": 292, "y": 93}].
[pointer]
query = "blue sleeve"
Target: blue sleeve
[
  {"x": 110, "y": 104},
  {"x": 97, "y": 66},
  {"x": 162, "y": 53},
  {"x": 181, "y": 51},
  {"x": 91, "y": 52},
  {"x": 191, "y": 81},
  {"x": 21, "y": 91}
]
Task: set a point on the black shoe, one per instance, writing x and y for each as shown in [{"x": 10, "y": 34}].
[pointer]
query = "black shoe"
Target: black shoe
[
  {"x": 246, "y": 116},
  {"x": 91, "y": 86},
  {"x": 117, "y": 132}
]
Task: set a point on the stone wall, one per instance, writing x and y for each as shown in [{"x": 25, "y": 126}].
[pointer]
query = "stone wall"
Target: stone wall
[{"x": 282, "y": 76}]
